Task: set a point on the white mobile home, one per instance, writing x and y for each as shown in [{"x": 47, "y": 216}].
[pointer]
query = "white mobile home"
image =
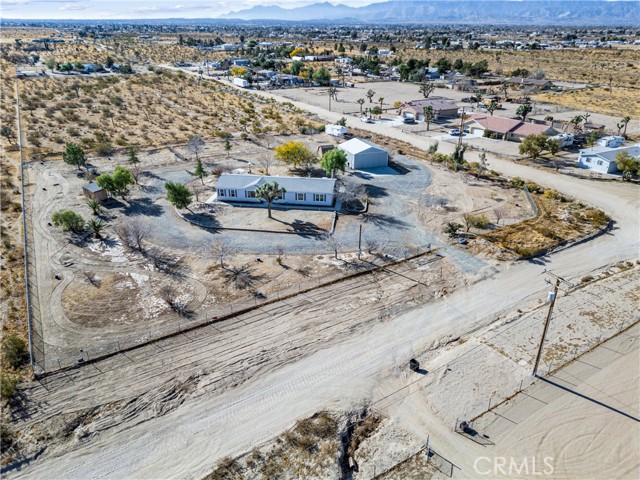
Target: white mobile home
[
  {"x": 362, "y": 154},
  {"x": 299, "y": 191},
  {"x": 603, "y": 159}
]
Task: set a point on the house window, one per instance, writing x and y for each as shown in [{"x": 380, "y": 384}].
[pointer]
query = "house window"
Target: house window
[
  {"x": 319, "y": 197},
  {"x": 599, "y": 162},
  {"x": 588, "y": 160},
  {"x": 233, "y": 193},
  {"x": 250, "y": 194},
  {"x": 222, "y": 192},
  {"x": 301, "y": 197},
  {"x": 280, "y": 196}
]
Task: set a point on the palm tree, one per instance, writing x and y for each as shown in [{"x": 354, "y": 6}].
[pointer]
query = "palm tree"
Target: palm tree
[
  {"x": 381, "y": 100},
  {"x": 96, "y": 227},
  {"x": 269, "y": 192},
  {"x": 360, "y": 102},
  {"x": 95, "y": 206}
]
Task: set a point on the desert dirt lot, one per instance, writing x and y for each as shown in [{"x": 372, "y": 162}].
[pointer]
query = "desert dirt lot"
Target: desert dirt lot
[{"x": 393, "y": 92}]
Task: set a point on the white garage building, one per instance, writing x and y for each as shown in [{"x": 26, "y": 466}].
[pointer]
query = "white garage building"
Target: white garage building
[{"x": 362, "y": 154}]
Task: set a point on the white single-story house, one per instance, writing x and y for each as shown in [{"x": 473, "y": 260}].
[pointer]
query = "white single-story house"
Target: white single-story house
[
  {"x": 299, "y": 191},
  {"x": 603, "y": 159},
  {"x": 362, "y": 154}
]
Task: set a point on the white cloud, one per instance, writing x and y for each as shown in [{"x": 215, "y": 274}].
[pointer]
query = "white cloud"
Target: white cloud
[{"x": 73, "y": 7}]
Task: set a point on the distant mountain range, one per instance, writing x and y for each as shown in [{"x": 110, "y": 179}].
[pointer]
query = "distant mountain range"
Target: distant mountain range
[{"x": 503, "y": 12}]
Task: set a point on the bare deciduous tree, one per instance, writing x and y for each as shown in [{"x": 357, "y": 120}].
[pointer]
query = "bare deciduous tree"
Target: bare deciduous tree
[
  {"x": 371, "y": 244},
  {"x": 172, "y": 297},
  {"x": 499, "y": 212},
  {"x": 334, "y": 243},
  {"x": 195, "y": 144},
  {"x": 223, "y": 250},
  {"x": 350, "y": 194},
  {"x": 133, "y": 234},
  {"x": 266, "y": 160},
  {"x": 280, "y": 251}
]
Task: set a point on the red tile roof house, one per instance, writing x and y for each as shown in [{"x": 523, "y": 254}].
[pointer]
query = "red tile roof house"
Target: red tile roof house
[
  {"x": 443, "y": 107},
  {"x": 505, "y": 128}
]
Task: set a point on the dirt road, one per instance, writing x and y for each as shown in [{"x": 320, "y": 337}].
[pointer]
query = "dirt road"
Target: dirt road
[{"x": 283, "y": 381}]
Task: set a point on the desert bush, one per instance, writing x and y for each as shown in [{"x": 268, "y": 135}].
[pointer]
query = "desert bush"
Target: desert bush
[
  {"x": 586, "y": 279},
  {"x": 15, "y": 351},
  {"x": 477, "y": 221},
  {"x": 103, "y": 149},
  {"x": 8, "y": 385},
  {"x": 524, "y": 251},
  {"x": 597, "y": 217},
  {"x": 227, "y": 469},
  {"x": 517, "y": 182},
  {"x": 550, "y": 193},
  {"x": 532, "y": 187}
]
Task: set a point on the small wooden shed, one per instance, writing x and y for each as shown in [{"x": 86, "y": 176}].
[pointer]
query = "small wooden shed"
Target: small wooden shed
[{"x": 94, "y": 192}]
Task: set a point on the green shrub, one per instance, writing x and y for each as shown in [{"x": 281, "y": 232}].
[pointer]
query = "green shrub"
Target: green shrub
[
  {"x": 8, "y": 384},
  {"x": 517, "y": 182},
  {"x": 15, "y": 351},
  {"x": 478, "y": 221},
  {"x": 68, "y": 220},
  {"x": 532, "y": 187},
  {"x": 550, "y": 193},
  {"x": 104, "y": 149}
]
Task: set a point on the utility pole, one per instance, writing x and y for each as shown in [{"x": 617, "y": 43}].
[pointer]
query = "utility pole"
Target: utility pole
[
  {"x": 360, "y": 242},
  {"x": 548, "y": 319},
  {"x": 546, "y": 327},
  {"x": 461, "y": 128}
]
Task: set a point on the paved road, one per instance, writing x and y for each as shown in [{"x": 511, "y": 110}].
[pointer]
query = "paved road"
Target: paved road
[{"x": 186, "y": 441}]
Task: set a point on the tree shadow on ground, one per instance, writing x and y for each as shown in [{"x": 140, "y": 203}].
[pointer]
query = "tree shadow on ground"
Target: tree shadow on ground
[
  {"x": 150, "y": 189},
  {"x": 112, "y": 203},
  {"x": 149, "y": 174},
  {"x": 382, "y": 220},
  {"x": 203, "y": 220},
  {"x": 243, "y": 277},
  {"x": 374, "y": 191},
  {"x": 143, "y": 206}
]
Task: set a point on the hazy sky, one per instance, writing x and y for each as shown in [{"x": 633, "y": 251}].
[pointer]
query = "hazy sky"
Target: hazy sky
[{"x": 78, "y": 9}]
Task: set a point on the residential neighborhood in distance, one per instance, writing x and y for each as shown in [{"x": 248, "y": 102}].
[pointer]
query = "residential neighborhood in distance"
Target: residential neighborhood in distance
[{"x": 375, "y": 239}]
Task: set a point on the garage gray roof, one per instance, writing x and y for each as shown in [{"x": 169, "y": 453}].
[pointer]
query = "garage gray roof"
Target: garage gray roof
[
  {"x": 290, "y": 184},
  {"x": 93, "y": 187},
  {"x": 356, "y": 145}
]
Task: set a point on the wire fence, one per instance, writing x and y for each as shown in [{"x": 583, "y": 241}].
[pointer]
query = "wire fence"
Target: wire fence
[
  {"x": 226, "y": 312},
  {"x": 550, "y": 367},
  {"x": 531, "y": 201},
  {"x": 34, "y": 317},
  {"x": 31, "y": 281}
]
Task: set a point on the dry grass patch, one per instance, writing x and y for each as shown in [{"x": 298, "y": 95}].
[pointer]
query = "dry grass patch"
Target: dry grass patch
[
  {"x": 616, "y": 102},
  {"x": 560, "y": 220},
  {"x": 308, "y": 450}
]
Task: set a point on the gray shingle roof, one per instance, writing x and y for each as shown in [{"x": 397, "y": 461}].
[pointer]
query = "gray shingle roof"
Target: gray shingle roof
[{"x": 290, "y": 184}]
